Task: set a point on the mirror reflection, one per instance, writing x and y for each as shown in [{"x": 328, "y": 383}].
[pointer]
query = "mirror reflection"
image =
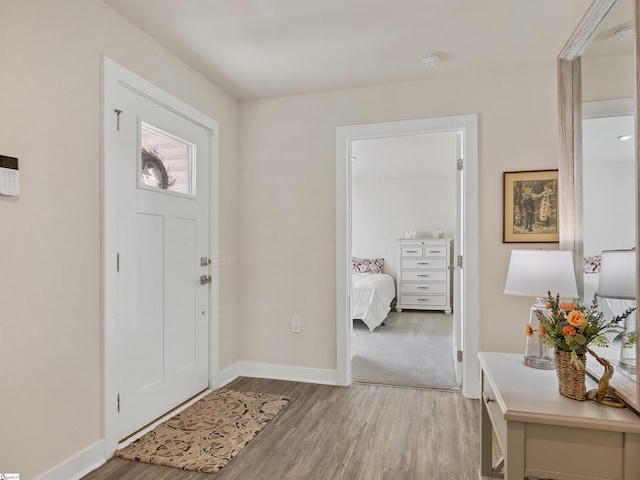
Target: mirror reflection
[{"x": 609, "y": 173}]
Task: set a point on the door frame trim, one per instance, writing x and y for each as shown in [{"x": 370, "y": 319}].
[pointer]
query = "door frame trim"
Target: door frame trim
[
  {"x": 112, "y": 75},
  {"x": 468, "y": 126}
]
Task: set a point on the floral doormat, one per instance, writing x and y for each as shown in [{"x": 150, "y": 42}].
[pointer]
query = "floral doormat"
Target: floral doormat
[{"x": 209, "y": 433}]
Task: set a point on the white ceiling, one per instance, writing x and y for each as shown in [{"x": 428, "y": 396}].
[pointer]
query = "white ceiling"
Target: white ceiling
[{"x": 267, "y": 48}]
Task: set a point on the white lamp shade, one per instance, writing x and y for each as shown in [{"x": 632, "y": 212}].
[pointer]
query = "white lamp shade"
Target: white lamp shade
[
  {"x": 534, "y": 273},
  {"x": 617, "y": 274}
]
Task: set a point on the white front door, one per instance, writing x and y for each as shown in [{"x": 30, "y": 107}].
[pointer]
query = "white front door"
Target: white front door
[{"x": 162, "y": 158}]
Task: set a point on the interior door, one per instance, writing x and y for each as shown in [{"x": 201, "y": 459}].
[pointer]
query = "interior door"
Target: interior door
[
  {"x": 163, "y": 188},
  {"x": 458, "y": 272}
]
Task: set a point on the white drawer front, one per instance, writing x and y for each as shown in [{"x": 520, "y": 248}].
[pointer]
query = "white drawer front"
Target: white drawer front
[
  {"x": 425, "y": 275},
  {"x": 423, "y": 288},
  {"x": 435, "y": 251},
  {"x": 433, "y": 300},
  {"x": 412, "y": 251},
  {"x": 495, "y": 413},
  {"x": 424, "y": 262}
]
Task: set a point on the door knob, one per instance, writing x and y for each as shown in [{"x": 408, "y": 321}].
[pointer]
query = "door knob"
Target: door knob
[{"x": 204, "y": 279}]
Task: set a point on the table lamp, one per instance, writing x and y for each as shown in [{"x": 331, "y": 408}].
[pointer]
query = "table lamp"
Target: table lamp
[
  {"x": 535, "y": 273},
  {"x": 617, "y": 280}
]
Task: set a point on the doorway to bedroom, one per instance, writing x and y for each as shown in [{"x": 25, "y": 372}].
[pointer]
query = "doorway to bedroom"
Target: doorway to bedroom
[
  {"x": 465, "y": 242},
  {"x": 403, "y": 186}
]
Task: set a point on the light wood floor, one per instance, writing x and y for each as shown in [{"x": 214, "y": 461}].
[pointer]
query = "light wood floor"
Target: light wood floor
[{"x": 365, "y": 432}]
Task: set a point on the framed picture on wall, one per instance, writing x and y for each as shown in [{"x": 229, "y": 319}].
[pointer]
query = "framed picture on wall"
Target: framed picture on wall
[{"x": 530, "y": 208}]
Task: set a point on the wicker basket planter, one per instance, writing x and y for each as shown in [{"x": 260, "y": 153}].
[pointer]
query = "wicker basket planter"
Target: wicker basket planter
[{"x": 571, "y": 380}]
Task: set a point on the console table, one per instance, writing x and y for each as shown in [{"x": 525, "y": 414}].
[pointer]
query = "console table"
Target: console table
[{"x": 545, "y": 435}]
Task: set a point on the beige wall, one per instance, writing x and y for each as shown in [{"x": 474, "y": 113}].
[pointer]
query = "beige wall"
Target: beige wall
[
  {"x": 50, "y": 274},
  {"x": 288, "y": 200},
  {"x": 397, "y": 185}
]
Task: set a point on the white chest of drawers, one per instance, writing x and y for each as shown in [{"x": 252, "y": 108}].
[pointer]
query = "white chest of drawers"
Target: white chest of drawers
[{"x": 423, "y": 277}]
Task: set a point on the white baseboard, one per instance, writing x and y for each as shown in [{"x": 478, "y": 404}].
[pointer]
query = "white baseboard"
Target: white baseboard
[
  {"x": 228, "y": 374},
  {"x": 277, "y": 372},
  {"x": 79, "y": 465}
]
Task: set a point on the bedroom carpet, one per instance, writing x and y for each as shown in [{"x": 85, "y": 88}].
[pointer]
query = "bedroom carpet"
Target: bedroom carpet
[
  {"x": 206, "y": 435},
  {"x": 412, "y": 349}
]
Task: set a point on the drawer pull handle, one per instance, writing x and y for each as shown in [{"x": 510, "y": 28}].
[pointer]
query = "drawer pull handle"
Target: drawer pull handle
[
  {"x": 423, "y": 299},
  {"x": 423, "y": 288},
  {"x": 434, "y": 251},
  {"x": 488, "y": 399},
  {"x": 423, "y": 275},
  {"x": 424, "y": 263},
  {"x": 412, "y": 251}
]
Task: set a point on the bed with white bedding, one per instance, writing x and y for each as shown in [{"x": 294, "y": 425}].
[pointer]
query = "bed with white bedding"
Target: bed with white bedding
[{"x": 371, "y": 298}]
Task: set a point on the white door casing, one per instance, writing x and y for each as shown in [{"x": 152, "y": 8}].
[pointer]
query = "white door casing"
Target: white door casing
[
  {"x": 458, "y": 256},
  {"x": 467, "y": 125},
  {"x": 160, "y": 323}
]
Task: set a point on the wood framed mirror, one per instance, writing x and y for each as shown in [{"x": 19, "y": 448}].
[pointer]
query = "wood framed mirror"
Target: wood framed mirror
[{"x": 593, "y": 45}]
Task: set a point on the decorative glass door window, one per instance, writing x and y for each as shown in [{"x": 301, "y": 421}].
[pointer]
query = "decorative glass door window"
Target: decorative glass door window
[{"x": 167, "y": 162}]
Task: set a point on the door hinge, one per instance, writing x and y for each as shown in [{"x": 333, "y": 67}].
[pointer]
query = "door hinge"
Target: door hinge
[
  {"x": 459, "y": 261},
  {"x": 459, "y": 354},
  {"x": 460, "y": 164},
  {"x": 119, "y": 400},
  {"x": 117, "y": 262}
]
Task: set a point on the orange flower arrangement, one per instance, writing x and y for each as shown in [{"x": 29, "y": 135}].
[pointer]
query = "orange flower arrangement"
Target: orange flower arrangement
[{"x": 572, "y": 327}]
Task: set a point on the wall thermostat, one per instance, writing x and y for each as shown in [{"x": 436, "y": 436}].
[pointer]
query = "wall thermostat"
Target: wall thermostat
[{"x": 9, "y": 176}]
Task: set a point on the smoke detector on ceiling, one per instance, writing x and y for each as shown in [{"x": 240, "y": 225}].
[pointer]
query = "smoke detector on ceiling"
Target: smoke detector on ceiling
[
  {"x": 623, "y": 33},
  {"x": 430, "y": 59}
]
